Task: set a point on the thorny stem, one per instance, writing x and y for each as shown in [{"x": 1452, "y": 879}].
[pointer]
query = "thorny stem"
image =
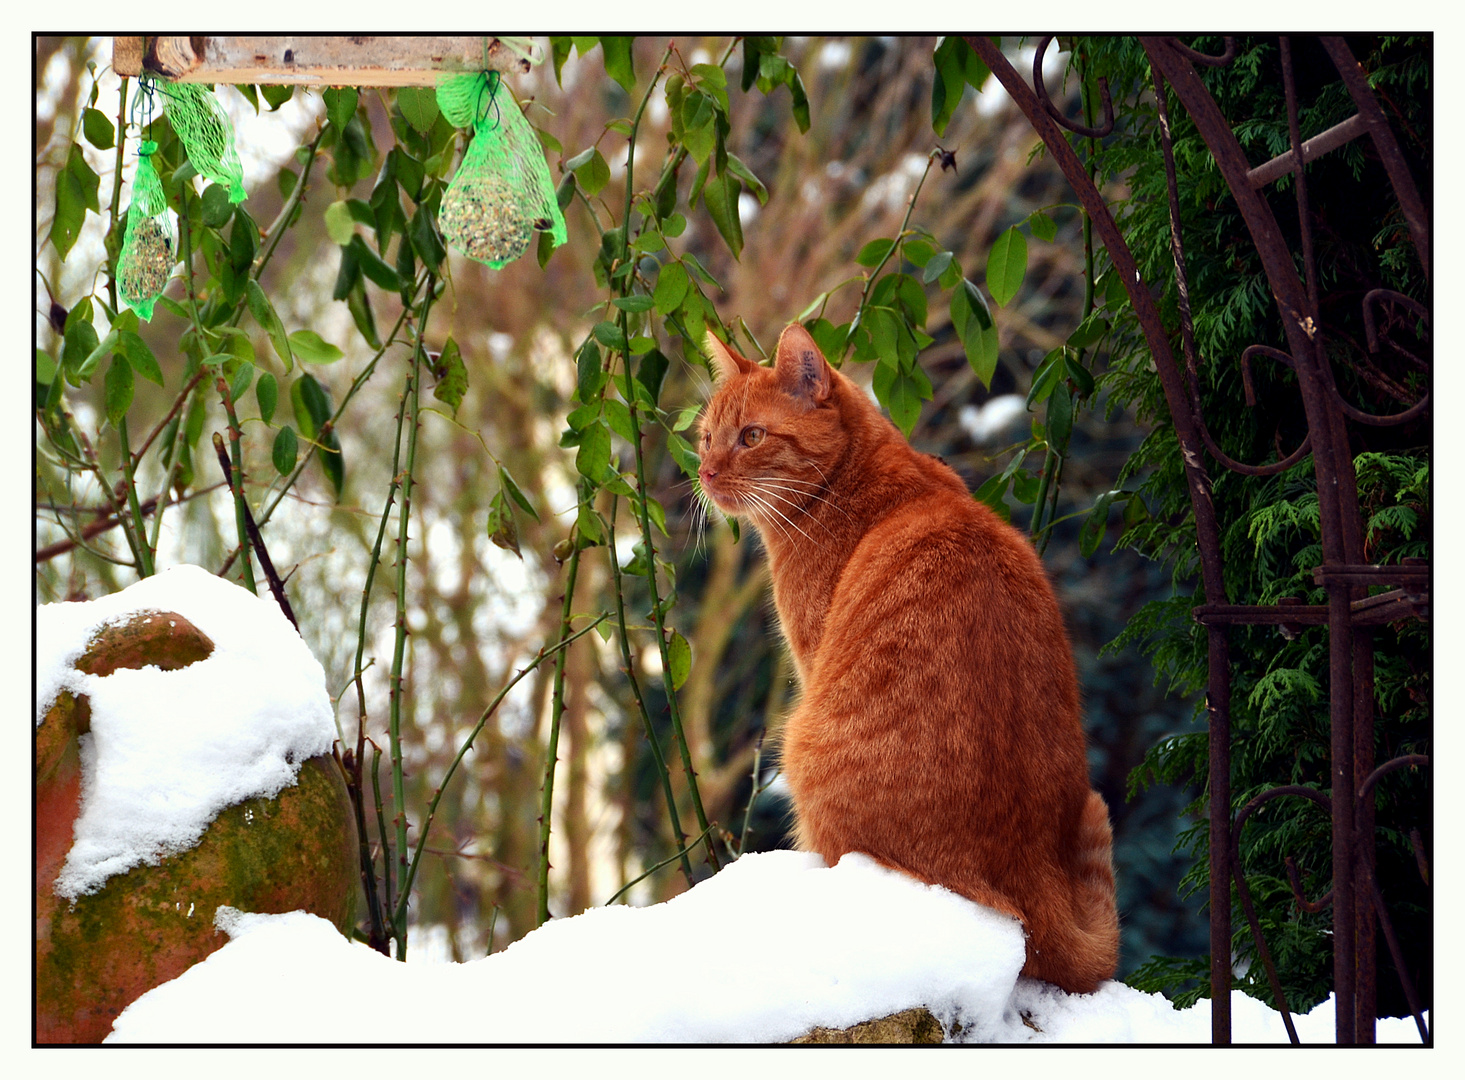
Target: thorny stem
[
  {"x": 236, "y": 460},
  {"x": 1045, "y": 508},
  {"x": 557, "y": 708},
  {"x": 356, "y": 384},
  {"x": 630, "y": 671},
  {"x": 410, "y": 401},
  {"x": 558, "y": 650},
  {"x": 129, "y": 474},
  {"x": 381, "y": 830},
  {"x": 642, "y": 495},
  {"x": 753, "y": 794},
  {"x": 379, "y": 930},
  {"x": 910, "y": 208}
]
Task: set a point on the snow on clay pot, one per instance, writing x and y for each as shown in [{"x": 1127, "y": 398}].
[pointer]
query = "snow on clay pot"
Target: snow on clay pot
[{"x": 97, "y": 951}]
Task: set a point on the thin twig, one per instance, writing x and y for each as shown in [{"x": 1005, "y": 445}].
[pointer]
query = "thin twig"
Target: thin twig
[
  {"x": 277, "y": 588},
  {"x": 664, "y": 862}
]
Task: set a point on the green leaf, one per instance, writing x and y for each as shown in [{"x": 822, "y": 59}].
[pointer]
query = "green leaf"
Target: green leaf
[
  {"x": 884, "y": 333},
  {"x": 992, "y": 491},
  {"x": 683, "y": 454},
  {"x": 118, "y": 390},
  {"x": 1025, "y": 487},
  {"x": 1083, "y": 382},
  {"x": 589, "y": 376},
  {"x": 720, "y": 195},
  {"x": 216, "y": 207},
  {"x": 311, "y": 348},
  {"x": 340, "y": 105},
  {"x": 618, "y": 416},
  {"x": 948, "y": 83},
  {"x": 265, "y": 315},
  {"x": 276, "y": 95},
  {"x": 1096, "y": 523},
  {"x": 101, "y": 349},
  {"x": 651, "y": 372},
  {"x": 935, "y": 266},
  {"x": 610, "y": 335},
  {"x": 1060, "y": 417},
  {"x": 71, "y": 202},
  {"x": 1046, "y": 377},
  {"x": 560, "y": 46},
  {"x": 98, "y": 129},
  {"x": 742, "y": 172},
  {"x": 588, "y": 529},
  {"x": 137, "y": 353},
  {"x": 973, "y": 324},
  {"x": 359, "y": 305},
  {"x": 45, "y": 368},
  {"x": 236, "y": 343},
  {"x": 419, "y": 107},
  {"x": 800, "y": 102},
  {"x": 377, "y": 270},
  {"x": 503, "y": 530},
  {"x": 340, "y": 225},
  {"x": 1089, "y": 332},
  {"x": 451, "y": 374},
  {"x": 636, "y": 303},
  {"x": 874, "y": 252},
  {"x": 507, "y": 483},
  {"x": 267, "y": 395},
  {"x": 426, "y": 240},
  {"x": 700, "y": 135},
  {"x": 618, "y": 66},
  {"x": 657, "y": 513},
  {"x": 592, "y": 460},
  {"x": 903, "y": 396},
  {"x": 285, "y": 450},
  {"x": 678, "y": 660},
  {"x": 1043, "y": 227},
  {"x": 1007, "y": 265},
  {"x": 593, "y": 174},
  {"x": 243, "y": 379},
  {"x": 672, "y": 284}
]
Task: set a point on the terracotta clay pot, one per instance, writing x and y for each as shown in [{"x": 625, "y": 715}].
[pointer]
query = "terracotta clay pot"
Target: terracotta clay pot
[{"x": 296, "y": 851}]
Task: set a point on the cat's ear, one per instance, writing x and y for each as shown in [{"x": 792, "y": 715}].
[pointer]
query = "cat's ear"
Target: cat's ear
[
  {"x": 802, "y": 369},
  {"x": 725, "y": 361}
]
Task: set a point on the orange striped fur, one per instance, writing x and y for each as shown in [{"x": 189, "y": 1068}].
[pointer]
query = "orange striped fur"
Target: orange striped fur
[{"x": 938, "y": 726}]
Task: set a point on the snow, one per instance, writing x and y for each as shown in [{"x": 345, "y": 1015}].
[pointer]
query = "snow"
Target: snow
[
  {"x": 168, "y": 750},
  {"x": 775, "y": 944}
]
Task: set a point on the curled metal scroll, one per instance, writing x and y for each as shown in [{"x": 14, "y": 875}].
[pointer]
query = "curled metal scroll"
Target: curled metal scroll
[
  {"x": 1052, "y": 110},
  {"x": 1202, "y": 58}
]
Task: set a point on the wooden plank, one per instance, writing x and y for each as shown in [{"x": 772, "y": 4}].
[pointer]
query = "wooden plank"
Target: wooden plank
[{"x": 313, "y": 60}]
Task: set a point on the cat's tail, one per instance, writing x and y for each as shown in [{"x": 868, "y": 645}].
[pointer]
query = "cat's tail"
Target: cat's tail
[
  {"x": 1093, "y": 878},
  {"x": 1083, "y": 950}
]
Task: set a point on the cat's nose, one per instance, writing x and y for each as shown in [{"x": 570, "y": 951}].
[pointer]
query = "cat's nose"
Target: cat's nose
[{"x": 706, "y": 473}]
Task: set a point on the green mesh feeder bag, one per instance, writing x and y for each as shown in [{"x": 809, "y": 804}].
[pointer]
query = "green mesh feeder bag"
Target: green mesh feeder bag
[
  {"x": 146, "y": 261},
  {"x": 502, "y": 193},
  {"x": 203, "y": 127}
]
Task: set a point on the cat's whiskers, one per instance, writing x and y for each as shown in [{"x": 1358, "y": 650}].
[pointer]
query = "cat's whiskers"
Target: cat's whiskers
[
  {"x": 814, "y": 493},
  {"x": 767, "y": 488},
  {"x": 757, "y": 498}
]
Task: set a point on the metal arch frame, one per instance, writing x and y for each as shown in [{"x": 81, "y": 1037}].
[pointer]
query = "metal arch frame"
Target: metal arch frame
[{"x": 1343, "y": 572}]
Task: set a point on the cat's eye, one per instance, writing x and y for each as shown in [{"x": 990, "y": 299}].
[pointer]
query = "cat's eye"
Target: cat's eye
[{"x": 752, "y": 436}]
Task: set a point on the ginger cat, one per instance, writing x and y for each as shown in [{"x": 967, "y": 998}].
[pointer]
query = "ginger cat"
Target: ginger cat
[{"x": 938, "y": 729}]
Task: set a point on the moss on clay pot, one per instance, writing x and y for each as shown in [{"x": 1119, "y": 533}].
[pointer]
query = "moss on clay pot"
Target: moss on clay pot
[{"x": 296, "y": 851}]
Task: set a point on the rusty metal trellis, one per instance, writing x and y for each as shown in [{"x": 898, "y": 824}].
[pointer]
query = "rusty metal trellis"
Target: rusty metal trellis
[{"x": 1355, "y": 901}]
